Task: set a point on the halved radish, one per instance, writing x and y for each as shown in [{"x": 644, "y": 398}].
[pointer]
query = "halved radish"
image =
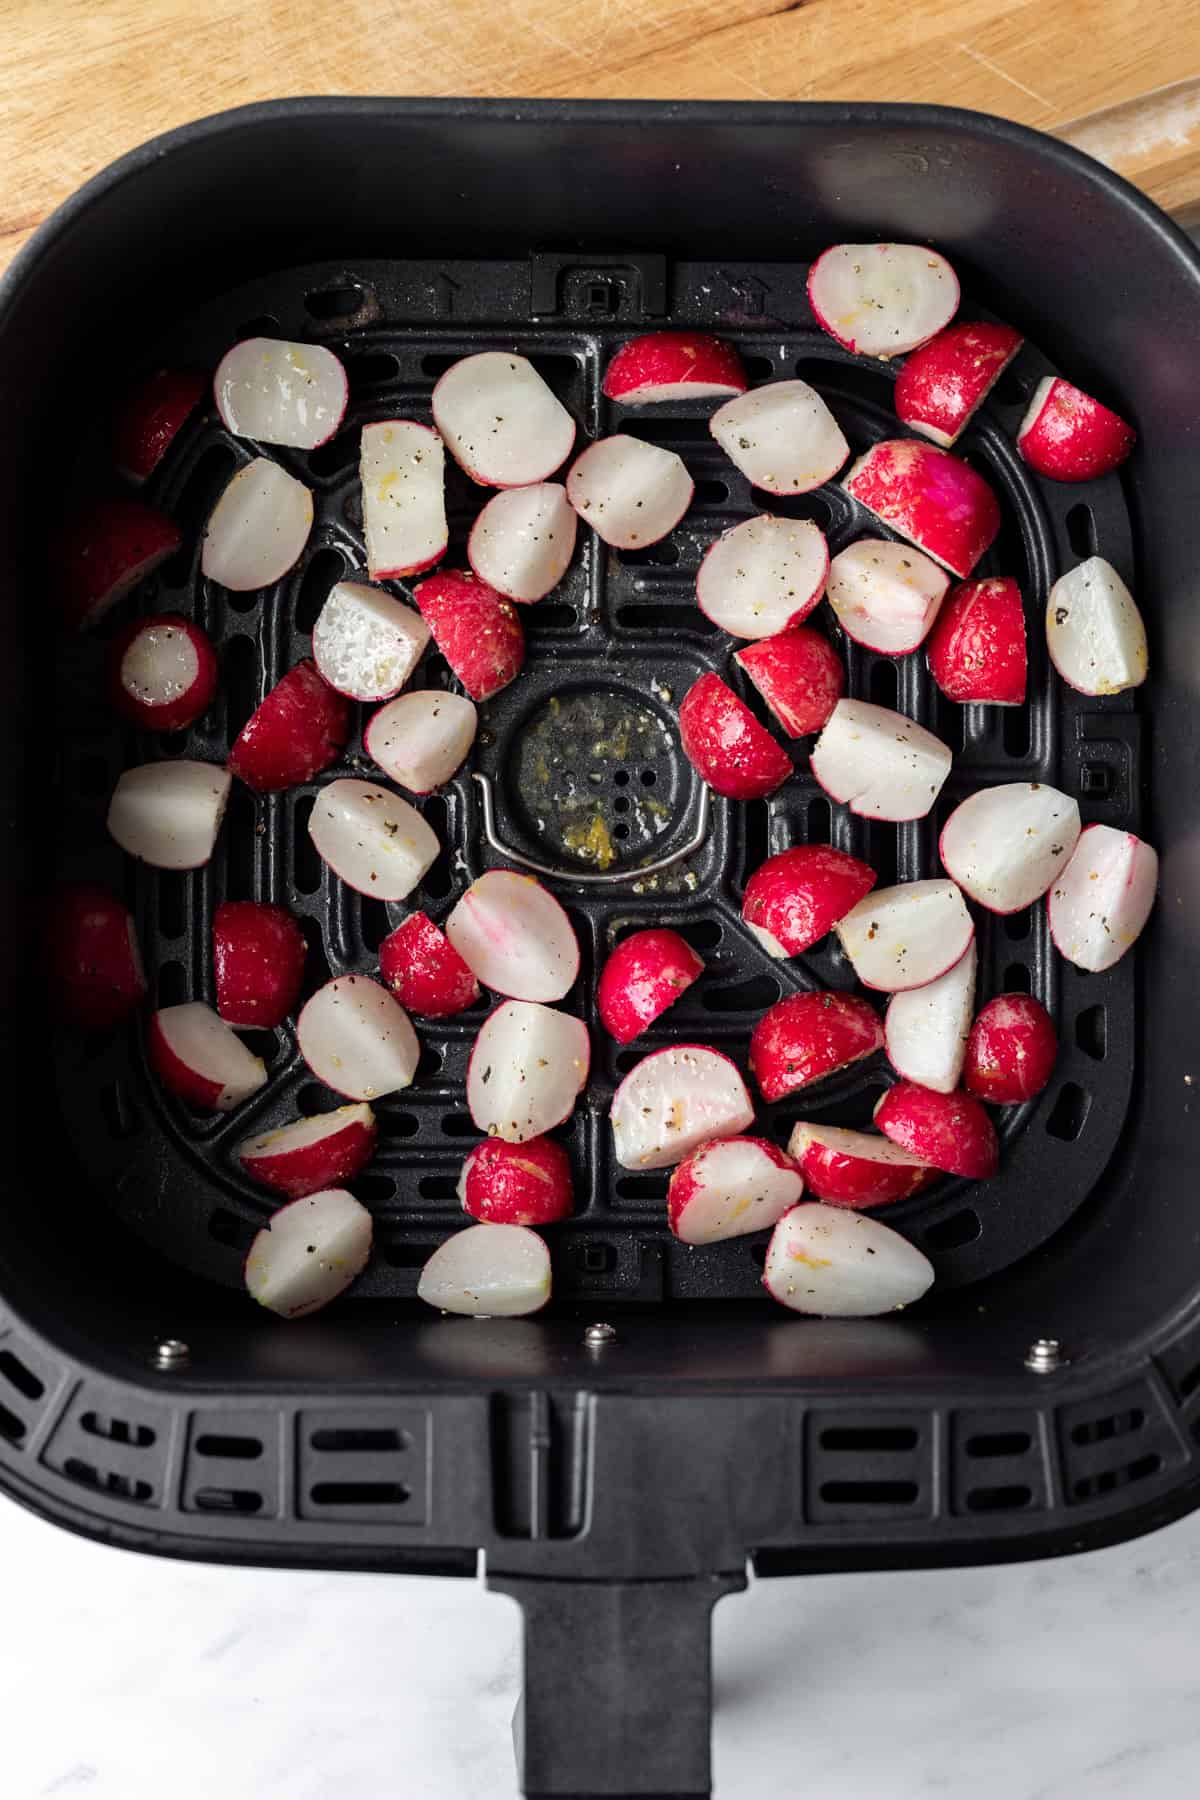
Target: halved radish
[
  {"x": 92, "y": 960},
  {"x": 646, "y": 974},
  {"x": 517, "y": 1184},
  {"x": 793, "y": 899},
  {"x": 674, "y": 1101},
  {"x": 946, "y": 380},
  {"x": 309, "y": 1253},
  {"x": 104, "y": 552},
  {"x": 201, "y": 1058},
  {"x": 306, "y": 1155},
  {"x": 805, "y": 1037},
  {"x": 513, "y": 934},
  {"x": 906, "y": 936},
  {"x": 281, "y": 393},
  {"x": 475, "y": 628},
  {"x": 730, "y": 1188},
  {"x": 673, "y": 365},
  {"x": 152, "y": 417},
  {"x": 886, "y": 595},
  {"x": 296, "y": 731},
  {"x": 1094, "y": 631},
  {"x": 258, "y": 528},
  {"x": 800, "y": 676},
  {"x": 358, "y": 1039},
  {"x": 931, "y": 498},
  {"x": 926, "y": 1028},
  {"x": 168, "y": 813},
  {"x": 1068, "y": 436},
  {"x": 367, "y": 643},
  {"x": 402, "y": 469},
  {"x": 372, "y": 838},
  {"x": 523, "y": 540},
  {"x": 1011, "y": 1051},
  {"x": 489, "y": 1272},
  {"x": 1005, "y": 845},
  {"x": 500, "y": 421},
  {"x": 948, "y": 1131},
  {"x": 162, "y": 672},
  {"x": 882, "y": 765},
  {"x": 882, "y": 299},
  {"x": 782, "y": 437},
  {"x": 1099, "y": 903},
  {"x": 854, "y": 1168},
  {"x": 422, "y": 738},
  {"x": 528, "y": 1065},
  {"x": 630, "y": 492},
  {"x": 424, "y": 970},
  {"x": 833, "y": 1263},
  {"x": 726, "y": 745},
  {"x": 258, "y": 963},
  {"x": 762, "y": 576},
  {"x": 976, "y": 650}
]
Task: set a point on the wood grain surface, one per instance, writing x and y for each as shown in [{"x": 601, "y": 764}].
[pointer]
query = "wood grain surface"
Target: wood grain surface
[{"x": 83, "y": 80}]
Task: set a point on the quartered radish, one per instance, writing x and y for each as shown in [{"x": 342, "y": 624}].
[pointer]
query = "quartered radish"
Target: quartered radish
[
  {"x": 475, "y": 628},
  {"x": 162, "y": 672},
  {"x": 1094, "y": 631},
  {"x": 976, "y": 650},
  {"x": 880, "y": 764},
  {"x": 528, "y": 1065},
  {"x": 800, "y": 676},
  {"x": 906, "y": 936},
  {"x": 523, "y": 540},
  {"x": 793, "y": 899},
  {"x": 882, "y": 299},
  {"x": 358, "y": 1039},
  {"x": 517, "y": 1184},
  {"x": 807, "y": 1036},
  {"x": 834, "y": 1263},
  {"x": 762, "y": 576},
  {"x": 886, "y": 595},
  {"x": 630, "y": 492},
  {"x": 309, "y": 1253},
  {"x": 92, "y": 961},
  {"x": 946, "y": 380},
  {"x": 168, "y": 814},
  {"x": 729, "y": 1188},
  {"x": 948, "y": 1131},
  {"x": 673, "y": 365},
  {"x": 152, "y": 417},
  {"x": 515, "y": 937},
  {"x": 782, "y": 437},
  {"x": 306, "y": 1155},
  {"x": 1005, "y": 845},
  {"x": 726, "y": 745},
  {"x": 646, "y": 974},
  {"x": 199, "y": 1057},
  {"x": 295, "y": 732},
  {"x": 926, "y": 1028},
  {"x": 674, "y": 1101},
  {"x": 402, "y": 469},
  {"x": 281, "y": 393},
  {"x": 367, "y": 643},
  {"x": 424, "y": 970},
  {"x": 258, "y": 963},
  {"x": 854, "y": 1168},
  {"x": 422, "y": 738},
  {"x": 488, "y": 1271},
  {"x": 372, "y": 838},
  {"x": 931, "y": 498},
  {"x": 1099, "y": 903},
  {"x": 1011, "y": 1051},
  {"x": 500, "y": 421},
  {"x": 1068, "y": 436},
  {"x": 258, "y": 528},
  {"x": 104, "y": 552}
]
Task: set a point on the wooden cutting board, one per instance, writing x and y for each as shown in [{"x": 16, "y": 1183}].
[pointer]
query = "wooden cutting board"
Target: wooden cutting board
[{"x": 83, "y": 80}]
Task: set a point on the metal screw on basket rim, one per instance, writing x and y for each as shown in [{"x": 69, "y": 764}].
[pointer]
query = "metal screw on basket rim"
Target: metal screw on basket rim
[
  {"x": 171, "y": 1353},
  {"x": 597, "y": 1336},
  {"x": 1043, "y": 1355}
]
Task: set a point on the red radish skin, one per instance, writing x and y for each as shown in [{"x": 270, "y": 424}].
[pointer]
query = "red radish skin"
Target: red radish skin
[
  {"x": 278, "y": 392},
  {"x": 104, "y": 552},
  {"x": 1011, "y": 1051},
  {"x": 976, "y": 650},
  {"x": 793, "y": 899},
  {"x": 500, "y": 421},
  {"x": 646, "y": 974},
  {"x": 763, "y": 576},
  {"x": 475, "y": 628},
  {"x": 945, "y": 381},
  {"x": 675, "y": 1100},
  {"x": 152, "y": 418},
  {"x": 878, "y": 762},
  {"x": 885, "y": 595},
  {"x": 726, "y": 745},
  {"x": 1094, "y": 632},
  {"x": 357, "y": 1038},
  {"x": 197, "y": 1056},
  {"x": 375, "y": 841},
  {"x": 162, "y": 672},
  {"x": 402, "y": 474},
  {"x": 933, "y": 499},
  {"x": 800, "y": 676},
  {"x": 517, "y": 1184},
  {"x": 306, "y": 1155},
  {"x": 854, "y": 1168},
  {"x": 630, "y": 492},
  {"x": 1101, "y": 900},
  {"x": 309, "y": 1253},
  {"x": 948, "y": 1131},
  {"x": 882, "y": 299},
  {"x": 168, "y": 813},
  {"x": 808, "y": 1036},
  {"x": 298, "y": 730},
  {"x": 673, "y": 365},
  {"x": 782, "y": 437},
  {"x": 91, "y": 957},
  {"x": 424, "y": 970},
  {"x": 906, "y": 936},
  {"x": 1068, "y": 436},
  {"x": 1005, "y": 845},
  {"x": 825, "y": 1261},
  {"x": 731, "y": 1188},
  {"x": 523, "y": 540},
  {"x": 258, "y": 528},
  {"x": 258, "y": 963},
  {"x": 366, "y": 643}
]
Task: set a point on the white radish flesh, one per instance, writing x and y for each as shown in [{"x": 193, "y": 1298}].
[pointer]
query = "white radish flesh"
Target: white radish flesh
[
  {"x": 366, "y": 643},
  {"x": 521, "y": 543},
  {"x": 835, "y": 1263},
  {"x": 515, "y": 937},
  {"x": 281, "y": 393},
  {"x": 309, "y": 1254},
  {"x": 168, "y": 813},
  {"x": 258, "y": 528},
  {"x": 402, "y": 468},
  {"x": 528, "y": 1065},
  {"x": 420, "y": 739},
  {"x": 926, "y": 1028},
  {"x": 159, "y": 666},
  {"x": 500, "y": 421},
  {"x": 1005, "y": 845},
  {"x": 675, "y": 1100},
  {"x": 881, "y": 764},
  {"x": 730, "y": 1188},
  {"x": 372, "y": 838},
  {"x": 631, "y": 493},
  {"x": 358, "y": 1039},
  {"x": 886, "y": 595},
  {"x": 782, "y": 437},
  {"x": 882, "y": 299},
  {"x": 197, "y": 1051},
  {"x": 906, "y": 936},
  {"x": 1094, "y": 631},
  {"x": 763, "y": 576},
  {"x": 488, "y": 1271},
  {"x": 1099, "y": 904}
]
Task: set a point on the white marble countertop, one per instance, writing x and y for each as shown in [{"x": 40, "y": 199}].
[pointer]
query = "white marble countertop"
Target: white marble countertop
[{"x": 129, "y": 1678}]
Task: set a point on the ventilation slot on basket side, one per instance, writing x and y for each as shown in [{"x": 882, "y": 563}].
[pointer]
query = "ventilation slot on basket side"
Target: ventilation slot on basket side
[
  {"x": 869, "y": 1466},
  {"x": 997, "y": 1463},
  {"x": 1129, "y": 1441},
  {"x": 232, "y": 1464},
  {"x": 364, "y": 1467}
]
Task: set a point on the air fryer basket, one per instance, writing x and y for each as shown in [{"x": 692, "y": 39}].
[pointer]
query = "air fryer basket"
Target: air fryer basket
[{"x": 617, "y": 1486}]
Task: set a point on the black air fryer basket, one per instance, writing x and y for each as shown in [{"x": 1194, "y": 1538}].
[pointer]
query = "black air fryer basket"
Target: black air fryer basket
[{"x": 617, "y": 1480}]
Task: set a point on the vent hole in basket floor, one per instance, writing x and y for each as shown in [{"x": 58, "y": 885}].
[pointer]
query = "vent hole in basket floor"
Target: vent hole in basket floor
[
  {"x": 372, "y": 369},
  {"x": 172, "y": 984},
  {"x": 999, "y": 1443},
  {"x": 172, "y": 888},
  {"x": 322, "y": 575},
  {"x": 710, "y": 493},
  {"x": 883, "y": 684},
  {"x": 1090, "y": 1487},
  {"x": 439, "y": 877},
  {"x": 12, "y": 1429},
  {"x": 869, "y": 1493},
  {"x": 1012, "y": 389},
  {"x": 1091, "y": 1032},
  {"x": 265, "y": 325},
  {"x": 359, "y": 1440},
  {"x": 18, "y": 1375},
  {"x": 398, "y": 1124},
  {"x": 1018, "y": 979},
  {"x": 1018, "y": 925},
  {"x": 377, "y": 1188},
  {"x": 438, "y": 1187},
  {"x": 1113, "y": 1425},
  {"x": 665, "y": 618},
  {"x": 226, "y": 1228},
  {"x": 335, "y": 302},
  {"x": 229, "y": 1447},
  {"x": 812, "y": 506},
  {"x": 306, "y": 864},
  {"x": 398, "y": 1253},
  {"x": 373, "y": 921},
  {"x": 756, "y": 824},
  {"x": 1081, "y": 529},
  {"x": 754, "y": 995},
  {"x": 359, "y": 1493},
  {"x": 819, "y": 821},
  {"x": 998, "y": 1499},
  {"x": 240, "y": 664},
  {"x": 701, "y": 934},
  {"x": 893, "y": 1438},
  {"x": 1097, "y": 780},
  {"x": 118, "y": 1431},
  {"x": 1068, "y": 1115},
  {"x": 954, "y": 1233},
  {"x": 227, "y": 1500},
  {"x": 1016, "y": 728},
  {"x": 642, "y": 1187},
  {"x": 339, "y": 453}
]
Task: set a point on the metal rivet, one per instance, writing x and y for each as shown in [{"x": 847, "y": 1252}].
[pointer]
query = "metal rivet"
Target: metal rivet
[
  {"x": 1044, "y": 1355},
  {"x": 597, "y": 1336},
  {"x": 171, "y": 1353}
]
